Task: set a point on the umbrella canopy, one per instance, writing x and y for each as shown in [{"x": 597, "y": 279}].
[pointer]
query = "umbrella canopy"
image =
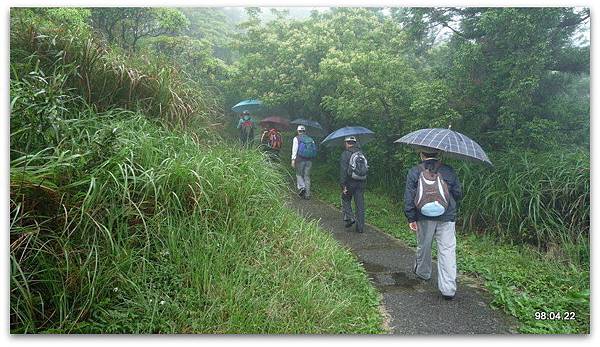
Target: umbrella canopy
[
  {"x": 249, "y": 104},
  {"x": 275, "y": 122},
  {"x": 336, "y": 138},
  {"x": 448, "y": 141},
  {"x": 308, "y": 123}
]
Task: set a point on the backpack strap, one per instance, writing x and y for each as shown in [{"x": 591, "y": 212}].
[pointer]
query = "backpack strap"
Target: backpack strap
[{"x": 352, "y": 154}]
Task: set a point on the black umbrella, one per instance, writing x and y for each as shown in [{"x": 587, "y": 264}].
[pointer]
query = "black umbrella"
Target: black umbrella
[
  {"x": 448, "y": 141},
  {"x": 336, "y": 138},
  {"x": 307, "y": 122}
]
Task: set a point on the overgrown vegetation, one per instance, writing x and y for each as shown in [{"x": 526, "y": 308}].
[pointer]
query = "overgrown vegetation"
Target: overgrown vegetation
[
  {"x": 101, "y": 74},
  {"x": 121, "y": 224},
  {"x": 535, "y": 198}
]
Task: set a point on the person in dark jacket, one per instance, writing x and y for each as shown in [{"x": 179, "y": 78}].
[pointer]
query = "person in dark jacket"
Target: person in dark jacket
[
  {"x": 441, "y": 227},
  {"x": 351, "y": 188}
]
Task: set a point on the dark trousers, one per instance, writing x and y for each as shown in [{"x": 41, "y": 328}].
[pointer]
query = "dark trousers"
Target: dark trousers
[
  {"x": 246, "y": 138},
  {"x": 355, "y": 189},
  {"x": 273, "y": 154}
]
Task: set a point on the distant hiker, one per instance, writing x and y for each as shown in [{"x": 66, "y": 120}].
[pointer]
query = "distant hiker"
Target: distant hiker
[
  {"x": 430, "y": 203},
  {"x": 246, "y": 126},
  {"x": 304, "y": 150},
  {"x": 353, "y": 179},
  {"x": 271, "y": 141}
]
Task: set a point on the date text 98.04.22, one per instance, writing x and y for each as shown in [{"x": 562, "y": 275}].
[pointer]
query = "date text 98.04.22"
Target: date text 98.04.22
[{"x": 554, "y": 315}]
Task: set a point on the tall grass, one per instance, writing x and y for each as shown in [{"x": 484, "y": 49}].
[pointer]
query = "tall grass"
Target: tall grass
[
  {"x": 121, "y": 225},
  {"x": 164, "y": 235},
  {"x": 104, "y": 77},
  {"x": 538, "y": 198}
]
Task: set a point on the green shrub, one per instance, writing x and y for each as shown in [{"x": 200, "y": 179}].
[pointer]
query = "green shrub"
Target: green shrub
[{"x": 541, "y": 198}]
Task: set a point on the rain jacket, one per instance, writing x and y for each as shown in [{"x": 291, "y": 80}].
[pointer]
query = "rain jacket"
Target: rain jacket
[
  {"x": 454, "y": 187},
  {"x": 243, "y": 119}
]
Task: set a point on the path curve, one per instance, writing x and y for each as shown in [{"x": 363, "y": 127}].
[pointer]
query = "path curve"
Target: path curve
[{"x": 413, "y": 306}]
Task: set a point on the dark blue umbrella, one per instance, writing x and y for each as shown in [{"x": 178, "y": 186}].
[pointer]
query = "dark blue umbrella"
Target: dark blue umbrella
[
  {"x": 336, "y": 138},
  {"x": 249, "y": 104},
  {"x": 448, "y": 141},
  {"x": 307, "y": 122}
]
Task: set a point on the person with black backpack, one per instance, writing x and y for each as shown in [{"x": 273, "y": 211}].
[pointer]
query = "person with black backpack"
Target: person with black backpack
[
  {"x": 353, "y": 179},
  {"x": 431, "y": 199},
  {"x": 304, "y": 150}
]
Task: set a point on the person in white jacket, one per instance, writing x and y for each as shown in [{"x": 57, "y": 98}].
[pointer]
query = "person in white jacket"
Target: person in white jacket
[{"x": 302, "y": 166}]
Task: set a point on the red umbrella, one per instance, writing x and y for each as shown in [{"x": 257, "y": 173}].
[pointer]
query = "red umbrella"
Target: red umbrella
[{"x": 275, "y": 122}]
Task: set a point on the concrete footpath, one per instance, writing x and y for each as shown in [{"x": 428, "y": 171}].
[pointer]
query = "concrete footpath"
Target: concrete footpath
[{"x": 413, "y": 306}]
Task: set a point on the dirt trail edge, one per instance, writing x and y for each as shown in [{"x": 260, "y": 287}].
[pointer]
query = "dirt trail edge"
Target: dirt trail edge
[{"x": 414, "y": 307}]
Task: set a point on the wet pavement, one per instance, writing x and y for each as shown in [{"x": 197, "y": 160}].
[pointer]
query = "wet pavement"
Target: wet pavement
[{"x": 414, "y": 306}]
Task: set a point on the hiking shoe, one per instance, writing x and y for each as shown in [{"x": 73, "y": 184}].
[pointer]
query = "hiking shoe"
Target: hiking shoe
[
  {"x": 349, "y": 223},
  {"x": 360, "y": 231},
  {"x": 421, "y": 278},
  {"x": 448, "y": 297}
]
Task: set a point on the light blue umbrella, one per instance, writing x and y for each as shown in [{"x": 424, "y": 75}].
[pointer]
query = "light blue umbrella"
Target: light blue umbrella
[
  {"x": 249, "y": 104},
  {"x": 336, "y": 138}
]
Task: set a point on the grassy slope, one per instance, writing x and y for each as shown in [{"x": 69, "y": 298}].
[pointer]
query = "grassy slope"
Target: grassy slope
[
  {"x": 118, "y": 225},
  {"x": 521, "y": 280},
  {"x": 170, "y": 236}
]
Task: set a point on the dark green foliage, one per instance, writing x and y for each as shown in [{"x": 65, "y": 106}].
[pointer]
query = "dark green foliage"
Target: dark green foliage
[
  {"x": 194, "y": 58},
  {"x": 502, "y": 62},
  {"x": 127, "y": 26}
]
